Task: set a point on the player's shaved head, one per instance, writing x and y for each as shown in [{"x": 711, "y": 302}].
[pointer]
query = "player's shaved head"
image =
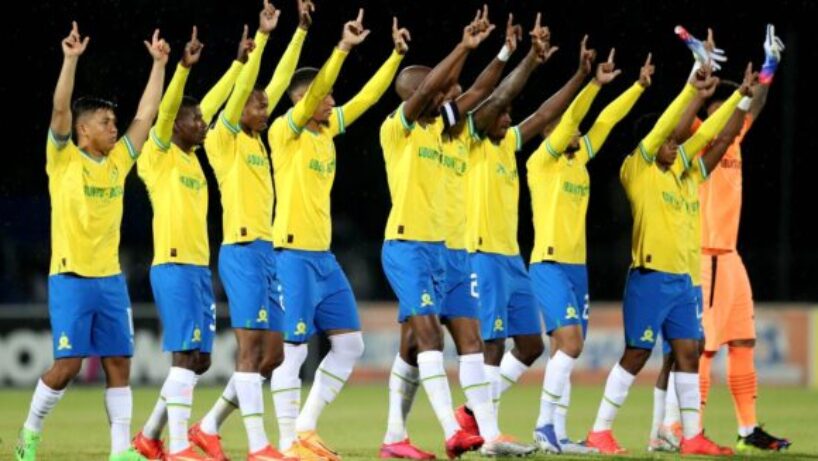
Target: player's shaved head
[
  {"x": 409, "y": 79},
  {"x": 301, "y": 80}
]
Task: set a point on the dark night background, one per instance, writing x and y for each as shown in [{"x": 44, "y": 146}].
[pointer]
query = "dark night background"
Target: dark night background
[{"x": 776, "y": 237}]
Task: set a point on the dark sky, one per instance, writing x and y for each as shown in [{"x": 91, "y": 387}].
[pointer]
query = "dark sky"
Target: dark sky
[{"x": 776, "y": 237}]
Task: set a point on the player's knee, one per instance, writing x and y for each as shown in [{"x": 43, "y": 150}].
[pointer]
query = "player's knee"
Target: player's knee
[
  {"x": 741, "y": 343},
  {"x": 469, "y": 345},
  {"x": 62, "y": 372},
  {"x": 530, "y": 350},
  {"x": 572, "y": 348},
  {"x": 202, "y": 364},
  {"x": 270, "y": 362},
  {"x": 634, "y": 359},
  {"x": 429, "y": 340},
  {"x": 348, "y": 345}
]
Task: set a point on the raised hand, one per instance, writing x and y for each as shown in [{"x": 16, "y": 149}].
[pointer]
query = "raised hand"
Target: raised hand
[
  {"x": 541, "y": 41},
  {"x": 158, "y": 48},
  {"x": 703, "y": 80},
  {"x": 74, "y": 45},
  {"x": 305, "y": 7},
  {"x": 193, "y": 50},
  {"x": 268, "y": 17},
  {"x": 354, "y": 32},
  {"x": 514, "y": 33},
  {"x": 587, "y": 56},
  {"x": 480, "y": 28},
  {"x": 246, "y": 45},
  {"x": 704, "y": 52},
  {"x": 749, "y": 81},
  {"x": 773, "y": 46},
  {"x": 606, "y": 71},
  {"x": 646, "y": 72},
  {"x": 400, "y": 36}
]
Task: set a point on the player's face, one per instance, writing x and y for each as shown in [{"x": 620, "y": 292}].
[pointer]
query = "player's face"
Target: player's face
[
  {"x": 190, "y": 126},
  {"x": 254, "y": 115},
  {"x": 667, "y": 153},
  {"x": 324, "y": 109},
  {"x": 98, "y": 130},
  {"x": 501, "y": 125}
]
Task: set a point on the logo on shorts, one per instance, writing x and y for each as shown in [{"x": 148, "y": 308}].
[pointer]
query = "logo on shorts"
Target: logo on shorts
[
  {"x": 197, "y": 335},
  {"x": 63, "y": 343},
  {"x": 262, "y": 315},
  {"x": 498, "y": 324},
  {"x": 571, "y": 313},
  {"x": 300, "y": 328},
  {"x": 426, "y": 300},
  {"x": 647, "y": 336}
]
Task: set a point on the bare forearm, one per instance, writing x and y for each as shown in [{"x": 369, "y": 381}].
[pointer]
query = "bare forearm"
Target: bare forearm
[
  {"x": 481, "y": 87},
  {"x": 61, "y": 115},
  {"x": 760, "y": 93},
  {"x": 433, "y": 82},
  {"x": 552, "y": 108},
  {"x": 508, "y": 89},
  {"x": 713, "y": 155}
]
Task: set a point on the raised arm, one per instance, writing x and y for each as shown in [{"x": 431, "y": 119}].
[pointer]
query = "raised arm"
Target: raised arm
[
  {"x": 488, "y": 79},
  {"x": 541, "y": 50},
  {"x": 163, "y": 128},
  {"x": 216, "y": 97},
  {"x": 379, "y": 83},
  {"x": 773, "y": 46},
  {"x": 289, "y": 60},
  {"x": 440, "y": 75},
  {"x": 72, "y": 47},
  {"x": 558, "y": 140},
  {"x": 149, "y": 103},
  {"x": 618, "y": 109},
  {"x": 353, "y": 34},
  {"x": 246, "y": 81},
  {"x": 557, "y": 103},
  {"x": 718, "y": 119}
]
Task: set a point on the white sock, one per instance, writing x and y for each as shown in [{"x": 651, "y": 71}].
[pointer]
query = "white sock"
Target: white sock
[
  {"x": 744, "y": 431},
  {"x": 690, "y": 402},
  {"x": 436, "y": 384},
  {"x": 119, "y": 404},
  {"x": 159, "y": 415},
  {"x": 42, "y": 402},
  {"x": 672, "y": 415},
  {"x": 561, "y": 413},
  {"x": 510, "y": 371},
  {"x": 251, "y": 404},
  {"x": 477, "y": 388},
  {"x": 330, "y": 377},
  {"x": 403, "y": 384},
  {"x": 616, "y": 391},
  {"x": 493, "y": 375},
  {"x": 557, "y": 373},
  {"x": 286, "y": 389},
  {"x": 659, "y": 400},
  {"x": 226, "y": 403},
  {"x": 179, "y": 399}
]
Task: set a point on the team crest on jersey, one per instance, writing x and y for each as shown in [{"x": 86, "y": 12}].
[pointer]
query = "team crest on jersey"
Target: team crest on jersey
[
  {"x": 571, "y": 313},
  {"x": 197, "y": 335},
  {"x": 63, "y": 344},
  {"x": 647, "y": 336},
  {"x": 426, "y": 300},
  {"x": 498, "y": 324},
  {"x": 300, "y": 328},
  {"x": 262, "y": 315},
  {"x": 114, "y": 173}
]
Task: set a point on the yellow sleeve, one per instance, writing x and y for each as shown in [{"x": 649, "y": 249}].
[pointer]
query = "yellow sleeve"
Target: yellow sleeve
[
  {"x": 558, "y": 140},
  {"x": 284, "y": 70},
  {"x": 244, "y": 84},
  {"x": 369, "y": 94},
  {"x": 666, "y": 123},
  {"x": 709, "y": 129},
  {"x": 320, "y": 87},
  {"x": 612, "y": 114},
  {"x": 163, "y": 128},
  {"x": 215, "y": 98},
  {"x": 124, "y": 155},
  {"x": 56, "y": 154}
]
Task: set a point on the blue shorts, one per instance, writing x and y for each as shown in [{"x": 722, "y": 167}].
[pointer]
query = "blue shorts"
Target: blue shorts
[
  {"x": 507, "y": 304},
  {"x": 184, "y": 298},
  {"x": 562, "y": 293},
  {"x": 417, "y": 272},
  {"x": 90, "y": 316},
  {"x": 697, "y": 292},
  {"x": 658, "y": 302},
  {"x": 248, "y": 273},
  {"x": 461, "y": 297},
  {"x": 316, "y": 295}
]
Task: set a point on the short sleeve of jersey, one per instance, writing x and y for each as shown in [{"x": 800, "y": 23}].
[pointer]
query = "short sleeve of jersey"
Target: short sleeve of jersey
[
  {"x": 123, "y": 154},
  {"x": 57, "y": 152}
]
